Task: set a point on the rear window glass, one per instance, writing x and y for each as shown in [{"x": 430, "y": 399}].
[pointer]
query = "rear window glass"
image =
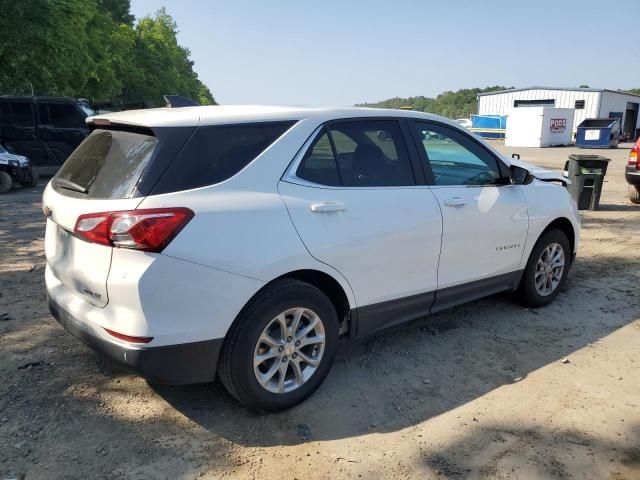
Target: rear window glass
[
  {"x": 106, "y": 165},
  {"x": 216, "y": 153}
]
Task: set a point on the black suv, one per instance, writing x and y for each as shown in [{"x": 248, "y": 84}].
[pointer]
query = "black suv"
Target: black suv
[{"x": 44, "y": 129}]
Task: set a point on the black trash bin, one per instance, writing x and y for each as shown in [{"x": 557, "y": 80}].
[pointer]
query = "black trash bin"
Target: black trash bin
[{"x": 586, "y": 173}]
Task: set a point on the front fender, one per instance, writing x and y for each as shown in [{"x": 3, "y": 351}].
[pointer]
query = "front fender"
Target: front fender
[{"x": 547, "y": 202}]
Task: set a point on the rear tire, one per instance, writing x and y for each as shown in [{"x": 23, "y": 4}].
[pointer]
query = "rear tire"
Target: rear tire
[
  {"x": 634, "y": 194},
  {"x": 267, "y": 329},
  {"x": 33, "y": 181},
  {"x": 546, "y": 270},
  {"x": 5, "y": 182}
]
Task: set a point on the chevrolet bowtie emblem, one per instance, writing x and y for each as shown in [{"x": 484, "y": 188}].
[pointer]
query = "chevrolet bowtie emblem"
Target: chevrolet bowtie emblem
[{"x": 47, "y": 212}]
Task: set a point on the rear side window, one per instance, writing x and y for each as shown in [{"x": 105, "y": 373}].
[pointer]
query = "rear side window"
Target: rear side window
[
  {"x": 216, "y": 153},
  {"x": 359, "y": 153},
  {"x": 106, "y": 165},
  {"x": 371, "y": 153},
  {"x": 319, "y": 164}
]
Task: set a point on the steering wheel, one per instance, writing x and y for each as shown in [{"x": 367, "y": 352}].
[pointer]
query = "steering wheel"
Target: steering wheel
[{"x": 480, "y": 179}]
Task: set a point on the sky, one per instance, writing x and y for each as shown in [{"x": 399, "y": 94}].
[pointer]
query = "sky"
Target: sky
[{"x": 345, "y": 52}]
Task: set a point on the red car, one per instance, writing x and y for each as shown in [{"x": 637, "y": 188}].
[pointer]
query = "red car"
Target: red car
[{"x": 632, "y": 173}]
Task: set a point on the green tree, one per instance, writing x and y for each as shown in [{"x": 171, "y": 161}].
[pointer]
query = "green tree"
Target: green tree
[
  {"x": 91, "y": 48},
  {"x": 43, "y": 45},
  {"x": 459, "y": 104},
  {"x": 163, "y": 65},
  {"x": 120, "y": 10}
]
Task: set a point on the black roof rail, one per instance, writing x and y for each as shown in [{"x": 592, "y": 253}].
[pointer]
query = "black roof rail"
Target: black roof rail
[{"x": 175, "y": 101}]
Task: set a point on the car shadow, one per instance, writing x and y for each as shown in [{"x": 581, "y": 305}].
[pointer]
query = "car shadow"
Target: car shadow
[
  {"x": 401, "y": 378},
  {"x": 508, "y": 450},
  {"x": 617, "y": 207}
]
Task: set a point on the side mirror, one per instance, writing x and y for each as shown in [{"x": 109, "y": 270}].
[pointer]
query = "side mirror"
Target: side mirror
[{"x": 520, "y": 176}]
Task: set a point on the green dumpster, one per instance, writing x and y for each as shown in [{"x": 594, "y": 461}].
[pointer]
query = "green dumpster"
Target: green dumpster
[{"x": 586, "y": 173}]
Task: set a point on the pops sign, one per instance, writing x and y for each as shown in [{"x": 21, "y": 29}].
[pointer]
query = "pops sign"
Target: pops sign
[{"x": 558, "y": 125}]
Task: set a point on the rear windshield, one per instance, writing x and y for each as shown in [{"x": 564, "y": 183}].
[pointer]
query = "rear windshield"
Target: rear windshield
[
  {"x": 106, "y": 165},
  {"x": 216, "y": 153}
]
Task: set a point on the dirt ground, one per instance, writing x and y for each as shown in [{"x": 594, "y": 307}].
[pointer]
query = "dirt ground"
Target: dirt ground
[{"x": 481, "y": 391}]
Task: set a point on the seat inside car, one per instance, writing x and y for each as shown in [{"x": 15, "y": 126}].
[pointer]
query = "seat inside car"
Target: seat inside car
[{"x": 369, "y": 165}]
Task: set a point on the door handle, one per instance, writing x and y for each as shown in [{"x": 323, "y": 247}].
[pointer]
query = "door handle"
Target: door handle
[
  {"x": 327, "y": 207},
  {"x": 455, "y": 202}
]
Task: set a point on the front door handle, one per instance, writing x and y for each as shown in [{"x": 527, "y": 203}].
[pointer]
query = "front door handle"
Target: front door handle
[
  {"x": 327, "y": 207},
  {"x": 455, "y": 202}
]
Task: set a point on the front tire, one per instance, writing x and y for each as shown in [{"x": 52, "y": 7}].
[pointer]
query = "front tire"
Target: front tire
[
  {"x": 5, "y": 182},
  {"x": 281, "y": 347},
  {"x": 634, "y": 194},
  {"x": 546, "y": 269}
]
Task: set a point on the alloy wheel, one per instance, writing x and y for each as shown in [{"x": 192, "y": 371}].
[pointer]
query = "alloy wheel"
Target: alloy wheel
[
  {"x": 289, "y": 350},
  {"x": 549, "y": 269}
]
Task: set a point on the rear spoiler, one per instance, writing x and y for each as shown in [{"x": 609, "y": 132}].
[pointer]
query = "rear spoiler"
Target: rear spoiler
[{"x": 175, "y": 101}]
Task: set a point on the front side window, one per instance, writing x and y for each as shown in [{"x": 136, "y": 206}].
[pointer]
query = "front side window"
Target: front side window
[
  {"x": 359, "y": 153},
  {"x": 455, "y": 159}
]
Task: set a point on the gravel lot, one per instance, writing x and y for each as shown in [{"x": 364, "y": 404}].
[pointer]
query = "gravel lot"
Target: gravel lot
[{"x": 481, "y": 391}]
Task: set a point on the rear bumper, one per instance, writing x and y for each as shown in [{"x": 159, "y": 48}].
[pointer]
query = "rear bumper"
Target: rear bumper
[
  {"x": 179, "y": 364},
  {"x": 632, "y": 176}
]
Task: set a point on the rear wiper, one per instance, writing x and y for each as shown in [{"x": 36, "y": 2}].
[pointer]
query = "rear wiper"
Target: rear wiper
[{"x": 69, "y": 185}]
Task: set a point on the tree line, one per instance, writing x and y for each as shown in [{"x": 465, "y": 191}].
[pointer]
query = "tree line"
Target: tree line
[
  {"x": 94, "y": 49},
  {"x": 458, "y": 104}
]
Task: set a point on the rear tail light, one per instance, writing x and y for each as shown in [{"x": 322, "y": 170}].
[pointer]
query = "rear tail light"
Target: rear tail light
[
  {"x": 150, "y": 229},
  {"x": 633, "y": 157}
]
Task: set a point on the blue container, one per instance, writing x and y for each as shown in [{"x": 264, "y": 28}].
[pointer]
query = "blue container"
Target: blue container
[
  {"x": 489, "y": 126},
  {"x": 598, "y": 133}
]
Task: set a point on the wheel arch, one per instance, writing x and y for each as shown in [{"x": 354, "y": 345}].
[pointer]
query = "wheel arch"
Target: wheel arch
[
  {"x": 327, "y": 284},
  {"x": 564, "y": 225}
]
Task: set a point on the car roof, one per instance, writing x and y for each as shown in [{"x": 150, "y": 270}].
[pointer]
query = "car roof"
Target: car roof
[{"x": 227, "y": 114}]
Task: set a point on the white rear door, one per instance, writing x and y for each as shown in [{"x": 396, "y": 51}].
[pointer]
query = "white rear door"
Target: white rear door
[{"x": 353, "y": 200}]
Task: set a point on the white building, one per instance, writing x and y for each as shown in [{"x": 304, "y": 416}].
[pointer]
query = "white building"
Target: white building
[{"x": 588, "y": 103}]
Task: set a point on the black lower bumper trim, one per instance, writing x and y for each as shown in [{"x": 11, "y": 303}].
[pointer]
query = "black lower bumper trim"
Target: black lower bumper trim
[{"x": 168, "y": 365}]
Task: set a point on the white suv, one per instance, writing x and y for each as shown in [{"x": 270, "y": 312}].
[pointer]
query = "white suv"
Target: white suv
[{"x": 244, "y": 242}]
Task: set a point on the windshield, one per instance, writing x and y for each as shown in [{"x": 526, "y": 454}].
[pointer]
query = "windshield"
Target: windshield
[{"x": 86, "y": 109}]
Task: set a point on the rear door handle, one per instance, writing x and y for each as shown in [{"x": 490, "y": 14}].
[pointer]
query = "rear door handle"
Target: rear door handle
[
  {"x": 327, "y": 207},
  {"x": 455, "y": 202}
]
